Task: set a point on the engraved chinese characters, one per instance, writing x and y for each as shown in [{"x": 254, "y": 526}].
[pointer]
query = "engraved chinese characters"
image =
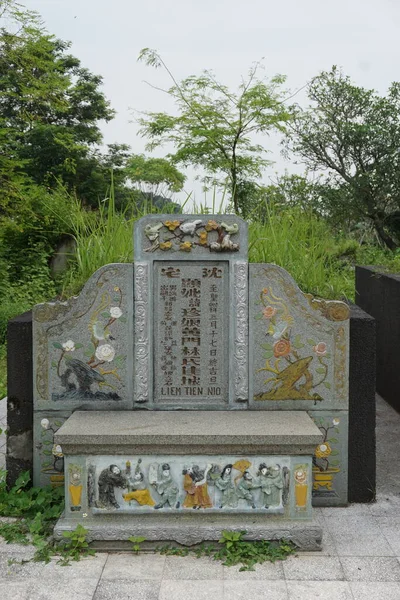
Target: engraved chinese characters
[
  {"x": 191, "y": 312},
  {"x": 191, "y": 333}
]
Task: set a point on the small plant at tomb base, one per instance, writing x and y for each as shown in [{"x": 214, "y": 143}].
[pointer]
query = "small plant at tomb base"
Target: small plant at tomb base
[
  {"x": 35, "y": 511},
  {"x": 136, "y": 541},
  {"x": 75, "y": 547},
  {"x": 233, "y": 550}
]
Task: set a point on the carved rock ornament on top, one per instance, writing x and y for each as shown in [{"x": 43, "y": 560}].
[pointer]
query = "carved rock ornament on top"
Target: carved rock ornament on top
[{"x": 180, "y": 235}]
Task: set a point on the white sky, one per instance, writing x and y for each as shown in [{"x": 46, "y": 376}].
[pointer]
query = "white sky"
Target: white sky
[{"x": 298, "y": 38}]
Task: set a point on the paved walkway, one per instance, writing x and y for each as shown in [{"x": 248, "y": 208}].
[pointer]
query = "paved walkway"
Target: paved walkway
[{"x": 360, "y": 560}]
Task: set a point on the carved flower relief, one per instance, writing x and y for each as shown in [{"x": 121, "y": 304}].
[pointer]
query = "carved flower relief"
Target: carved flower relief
[
  {"x": 269, "y": 312},
  {"x": 336, "y": 422},
  {"x": 320, "y": 349},
  {"x": 45, "y": 423},
  {"x": 337, "y": 311},
  {"x": 105, "y": 353},
  {"x": 115, "y": 312},
  {"x": 57, "y": 450},
  {"x": 211, "y": 225},
  {"x": 186, "y": 246},
  {"x": 282, "y": 348},
  {"x": 323, "y": 450},
  {"x": 203, "y": 238},
  {"x": 172, "y": 225},
  {"x": 165, "y": 246},
  {"x": 68, "y": 346}
]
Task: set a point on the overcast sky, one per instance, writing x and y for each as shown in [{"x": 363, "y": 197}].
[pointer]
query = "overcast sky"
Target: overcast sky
[{"x": 297, "y": 38}]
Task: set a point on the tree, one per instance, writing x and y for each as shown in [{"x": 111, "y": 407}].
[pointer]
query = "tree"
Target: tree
[
  {"x": 153, "y": 176},
  {"x": 50, "y": 106},
  {"x": 215, "y": 127},
  {"x": 352, "y": 136}
]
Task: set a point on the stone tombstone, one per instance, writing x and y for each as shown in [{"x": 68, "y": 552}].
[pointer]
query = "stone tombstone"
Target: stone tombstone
[
  {"x": 191, "y": 312},
  {"x": 191, "y": 326}
]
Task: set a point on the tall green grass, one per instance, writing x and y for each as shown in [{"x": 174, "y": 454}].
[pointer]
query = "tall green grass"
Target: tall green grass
[{"x": 304, "y": 245}]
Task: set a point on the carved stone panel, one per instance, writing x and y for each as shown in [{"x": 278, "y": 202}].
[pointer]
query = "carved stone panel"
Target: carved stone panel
[
  {"x": 191, "y": 327},
  {"x": 191, "y": 312},
  {"x": 330, "y": 459},
  {"x": 299, "y": 345},
  {"x": 83, "y": 348},
  {"x": 269, "y": 485},
  {"x": 48, "y": 457}
]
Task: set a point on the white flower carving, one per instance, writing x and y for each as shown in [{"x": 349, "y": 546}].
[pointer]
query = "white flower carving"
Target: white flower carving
[
  {"x": 68, "y": 346},
  {"x": 336, "y": 421},
  {"x": 115, "y": 312},
  {"x": 45, "y": 423},
  {"x": 105, "y": 352}
]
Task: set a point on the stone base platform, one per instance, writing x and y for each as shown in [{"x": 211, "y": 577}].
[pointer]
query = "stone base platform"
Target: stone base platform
[{"x": 113, "y": 531}]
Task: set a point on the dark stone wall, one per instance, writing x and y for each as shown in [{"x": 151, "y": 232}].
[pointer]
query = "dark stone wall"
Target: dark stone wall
[
  {"x": 362, "y": 441},
  {"x": 19, "y": 455},
  {"x": 379, "y": 295}
]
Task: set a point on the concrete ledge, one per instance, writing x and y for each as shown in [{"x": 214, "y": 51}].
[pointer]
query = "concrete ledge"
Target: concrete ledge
[
  {"x": 192, "y": 529},
  {"x": 194, "y": 432}
]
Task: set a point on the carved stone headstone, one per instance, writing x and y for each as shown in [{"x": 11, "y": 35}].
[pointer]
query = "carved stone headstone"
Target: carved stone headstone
[
  {"x": 190, "y": 326},
  {"x": 191, "y": 312}
]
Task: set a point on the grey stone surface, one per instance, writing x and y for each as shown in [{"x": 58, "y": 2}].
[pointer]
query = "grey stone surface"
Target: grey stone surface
[
  {"x": 330, "y": 470},
  {"x": 190, "y": 567},
  {"x": 310, "y": 568},
  {"x": 256, "y": 590},
  {"x": 377, "y": 590},
  {"x": 195, "y": 590},
  {"x": 132, "y": 567},
  {"x": 299, "y": 346},
  {"x": 96, "y": 432},
  {"x": 127, "y": 590},
  {"x": 194, "y": 528},
  {"x": 375, "y": 568},
  {"x": 321, "y": 590}
]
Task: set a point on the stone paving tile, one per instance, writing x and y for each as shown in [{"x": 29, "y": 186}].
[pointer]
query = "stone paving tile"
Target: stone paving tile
[
  {"x": 128, "y": 590},
  {"x": 90, "y": 567},
  {"x": 319, "y": 590},
  {"x": 16, "y": 590},
  {"x": 378, "y": 568},
  {"x": 187, "y": 590},
  {"x": 362, "y": 545},
  {"x": 352, "y": 510},
  {"x": 40, "y": 588},
  {"x": 254, "y": 590},
  {"x": 190, "y": 567},
  {"x": 375, "y": 590},
  {"x": 133, "y": 567},
  {"x": 309, "y": 568},
  {"x": 266, "y": 571},
  {"x": 71, "y": 588},
  {"x": 386, "y": 505}
]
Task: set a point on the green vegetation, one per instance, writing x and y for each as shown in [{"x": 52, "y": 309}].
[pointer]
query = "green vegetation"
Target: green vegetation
[
  {"x": 233, "y": 550},
  {"x": 36, "y": 510}
]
